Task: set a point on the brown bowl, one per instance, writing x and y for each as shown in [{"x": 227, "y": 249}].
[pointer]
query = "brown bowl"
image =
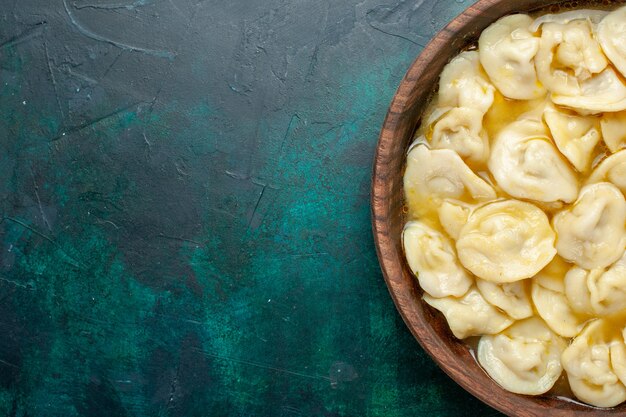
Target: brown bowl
[{"x": 427, "y": 325}]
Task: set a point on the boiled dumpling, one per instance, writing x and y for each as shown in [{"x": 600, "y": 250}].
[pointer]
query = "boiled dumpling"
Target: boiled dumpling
[
  {"x": 511, "y": 297},
  {"x": 568, "y": 54},
  {"x": 591, "y": 232},
  {"x": 590, "y": 373},
  {"x": 614, "y": 130},
  {"x": 611, "y": 34},
  {"x": 453, "y": 215},
  {"x": 613, "y": 170},
  {"x": 433, "y": 175},
  {"x": 506, "y": 241},
  {"x": 525, "y": 358},
  {"x": 462, "y": 131},
  {"x": 605, "y": 92},
  {"x": 572, "y": 66},
  {"x": 618, "y": 356},
  {"x": 470, "y": 315},
  {"x": 464, "y": 84},
  {"x": 548, "y": 295},
  {"x": 526, "y": 164},
  {"x": 575, "y": 136},
  {"x": 593, "y": 16},
  {"x": 599, "y": 291},
  {"x": 432, "y": 259},
  {"x": 507, "y": 49}
]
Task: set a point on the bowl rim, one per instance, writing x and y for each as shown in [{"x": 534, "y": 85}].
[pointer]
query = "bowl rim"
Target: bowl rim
[{"x": 386, "y": 248}]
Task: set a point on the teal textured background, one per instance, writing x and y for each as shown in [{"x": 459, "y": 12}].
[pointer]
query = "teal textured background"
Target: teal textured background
[{"x": 185, "y": 210}]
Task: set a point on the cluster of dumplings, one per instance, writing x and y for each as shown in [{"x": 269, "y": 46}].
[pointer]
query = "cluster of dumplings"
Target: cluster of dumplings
[{"x": 515, "y": 191}]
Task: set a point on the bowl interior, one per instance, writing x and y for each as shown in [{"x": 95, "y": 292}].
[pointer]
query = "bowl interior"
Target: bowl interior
[{"x": 427, "y": 325}]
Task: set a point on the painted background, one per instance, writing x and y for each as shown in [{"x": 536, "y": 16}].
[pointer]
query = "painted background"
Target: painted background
[{"x": 185, "y": 231}]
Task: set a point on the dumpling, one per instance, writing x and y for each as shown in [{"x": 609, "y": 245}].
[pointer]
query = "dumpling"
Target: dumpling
[
  {"x": 587, "y": 361},
  {"x": 611, "y": 169},
  {"x": 525, "y": 164},
  {"x": 548, "y": 295},
  {"x": 506, "y": 50},
  {"x": 433, "y": 175},
  {"x": 464, "y": 84},
  {"x": 570, "y": 63},
  {"x": 462, "y": 131},
  {"x": 453, "y": 215},
  {"x": 470, "y": 315},
  {"x": 591, "y": 232},
  {"x": 525, "y": 358},
  {"x": 605, "y": 92},
  {"x": 568, "y": 54},
  {"x": 599, "y": 291},
  {"x": 432, "y": 259},
  {"x": 611, "y": 34},
  {"x": 511, "y": 297},
  {"x": 614, "y": 130},
  {"x": 575, "y": 136},
  {"x": 618, "y": 356},
  {"x": 593, "y": 16},
  {"x": 506, "y": 241}
]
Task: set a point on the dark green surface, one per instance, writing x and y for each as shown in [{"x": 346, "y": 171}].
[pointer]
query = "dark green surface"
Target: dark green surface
[{"x": 185, "y": 210}]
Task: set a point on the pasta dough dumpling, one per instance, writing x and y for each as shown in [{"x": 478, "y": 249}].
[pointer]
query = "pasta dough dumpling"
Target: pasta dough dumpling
[
  {"x": 464, "y": 84},
  {"x": 597, "y": 292},
  {"x": 525, "y": 164},
  {"x": 587, "y": 361},
  {"x": 453, "y": 215},
  {"x": 592, "y": 16},
  {"x": 507, "y": 49},
  {"x": 613, "y": 127},
  {"x": 432, "y": 259},
  {"x": 548, "y": 295},
  {"x": 591, "y": 232},
  {"x": 525, "y": 358},
  {"x": 575, "y": 136},
  {"x": 506, "y": 241},
  {"x": 611, "y": 169},
  {"x": 568, "y": 54},
  {"x": 618, "y": 356},
  {"x": 605, "y": 92},
  {"x": 433, "y": 175},
  {"x": 461, "y": 130},
  {"x": 611, "y": 34},
  {"x": 511, "y": 297},
  {"x": 572, "y": 66},
  {"x": 470, "y": 315}
]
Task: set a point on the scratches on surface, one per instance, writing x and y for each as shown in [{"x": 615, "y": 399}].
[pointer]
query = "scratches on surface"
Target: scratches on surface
[
  {"x": 9, "y": 364},
  {"x": 93, "y": 122},
  {"x": 28, "y": 286},
  {"x": 395, "y": 35},
  {"x": 180, "y": 239},
  {"x": 236, "y": 175},
  {"x": 54, "y": 81},
  {"x": 391, "y": 20},
  {"x": 262, "y": 366},
  {"x": 143, "y": 130},
  {"x": 115, "y": 6},
  {"x": 65, "y": 256},
  {"x": 30, "y": 33},
  {"x": 83, "y": 77},
  {"x": 41, "y": 212},
  {"x": 124, "y": 46},
  {"x": 102, "y": 221},
  {"x": 290, "y": 128},
  {"x": 256, "y": 206},
  {"x": 106, "y": 72}
]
